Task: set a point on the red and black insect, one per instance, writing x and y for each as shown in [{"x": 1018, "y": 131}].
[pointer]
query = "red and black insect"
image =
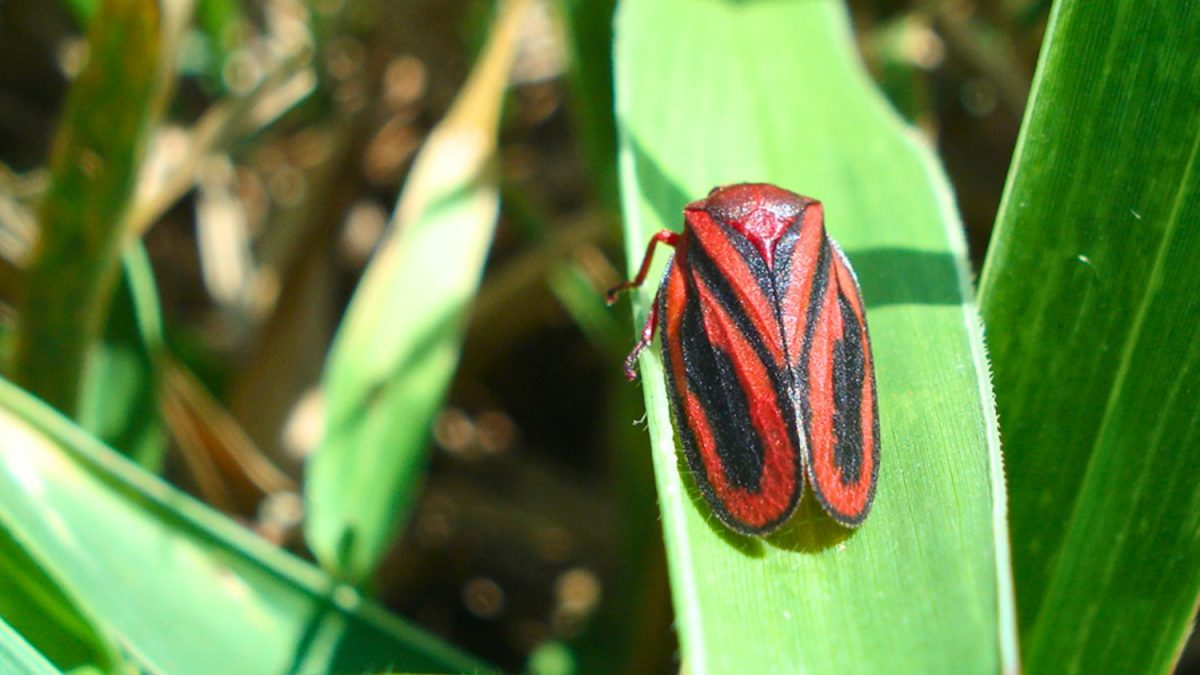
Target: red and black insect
[{"x": 767, "y": 357}]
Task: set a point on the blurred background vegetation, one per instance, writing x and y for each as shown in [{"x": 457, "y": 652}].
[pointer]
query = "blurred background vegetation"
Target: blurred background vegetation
[{"x": 266, "y": 144}]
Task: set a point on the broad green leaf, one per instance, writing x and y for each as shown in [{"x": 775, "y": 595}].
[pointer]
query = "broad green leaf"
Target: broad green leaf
[
  {"x": 1091, "y": 295},
  {"x": 110, "y": 110},
  {"x": 119, "y": 404},
  {"x": 712, "y": 92},
  {"x": 156, "y": 570},
  {"x": 399, "y": 342},
  {"x": 18, "y": 656}
]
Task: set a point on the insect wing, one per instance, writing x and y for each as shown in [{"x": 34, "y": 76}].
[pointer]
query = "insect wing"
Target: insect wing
[
  {"x": 728, "y": 382},
  {"x": 832, "y": 368}
]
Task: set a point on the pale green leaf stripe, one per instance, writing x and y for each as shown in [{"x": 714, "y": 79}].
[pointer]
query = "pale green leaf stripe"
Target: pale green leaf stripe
[
  {"x": 181, "y": 588},
  {"x": 1091, "y": 293},
  {"x": 712, "y": 92}
]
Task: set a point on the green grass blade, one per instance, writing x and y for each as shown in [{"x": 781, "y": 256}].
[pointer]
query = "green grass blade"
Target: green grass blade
[
  {"x": 111, "y": 108},
  {"x": 119, "y": 402},
  {"x": 156, "y": 570},
  {"x": 18, "y": 656},
  {"x": 222, "y": 25},
  {"x": 399, "y": 342},
  {"x": 1090, "y": 295},
  {"x": 589, "y": 39},
  {"x": 712, "y": 92},
  {"x": 219, "y": 23}
]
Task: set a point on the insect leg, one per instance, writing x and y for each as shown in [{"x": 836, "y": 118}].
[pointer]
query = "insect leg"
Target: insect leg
[
  {"x": 662, "y": 236},
  {"x": 646, "y": 337}
]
